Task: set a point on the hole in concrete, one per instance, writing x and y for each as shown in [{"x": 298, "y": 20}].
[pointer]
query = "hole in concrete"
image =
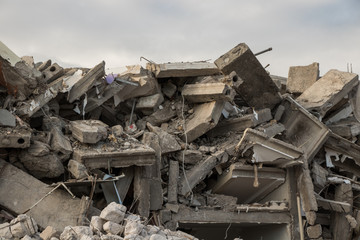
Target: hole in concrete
[
  {"x": 20, "y": 141},
  {"x": 235, "y": 78},
  {"x": 52, "y": 69},
  {"x": 44, "y": 76},
  {"x": 227, "y": 92}
]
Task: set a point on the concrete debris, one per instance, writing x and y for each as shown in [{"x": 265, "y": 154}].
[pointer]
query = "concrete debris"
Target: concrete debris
[{"x": 178, "y": 151}]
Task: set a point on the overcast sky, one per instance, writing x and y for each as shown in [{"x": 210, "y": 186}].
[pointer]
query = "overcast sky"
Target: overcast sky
[{"x": 85, "y": 32}]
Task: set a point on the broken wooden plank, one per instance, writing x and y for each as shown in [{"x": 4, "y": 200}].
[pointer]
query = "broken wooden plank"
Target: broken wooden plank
[
  {"x": 328, "y": 91},
  {"x": 301, "y": 78},
  {"x": 239, "y": 182},
  {"x": 182, "y": 69},
  {"x": 86, "y": 82},
  {"x": 207, "y": 92},
  {"x": 59, "y": 209},
  {"x": 255, "y": 81},
  {"x": 99, "y": 158}
]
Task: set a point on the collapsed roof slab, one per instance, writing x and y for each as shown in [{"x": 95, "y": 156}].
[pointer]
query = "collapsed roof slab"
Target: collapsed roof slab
[
  {"x": 58, "y": 209},
  {"x": 239, "y": 182},
  {"x": 100, "y": 158},
  {"x": 303, "y": 130},
  {"x": 269, "y": 150},
  {"x": 183, "y": 69},
  {"x": 328, "y": 91}
]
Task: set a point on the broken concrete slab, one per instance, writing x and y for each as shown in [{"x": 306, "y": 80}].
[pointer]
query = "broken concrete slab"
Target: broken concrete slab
[
  {"x": 189, "y": 156},
  {"x": 147, "y": 105},
  {"x": 7, "y": 119},
  {"x": 269, "y": 150},
  {"x": 86, "y": 82},
  {"x": 239, "y": 124},
  {"x": 255, "y": 80},
  {"x": 57, "y": 209},
  {"x": 89, "y": 131},
  {"x": 207, "y": 92},
  {"x": 303, "y": 130},
  {"x": 242, "y": 177},
  {"x": 14, "y": 138},
  {"x": 328, "y": 91},
  {"x": 347, "y": 128},
  {"x": 301, "y": 78},
  {"x": 100, "y": 158},
  {"x": 162, "y": 115},
  {"x": 30, "y": 107},
  {"x": 169, "y": 89},
  {"x": 183, "y": 69},
  {"x": 205, "y": 117}
]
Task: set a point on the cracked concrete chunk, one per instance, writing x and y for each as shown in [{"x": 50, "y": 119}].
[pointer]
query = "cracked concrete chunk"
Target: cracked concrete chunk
[{"x": 77, "y": 170}]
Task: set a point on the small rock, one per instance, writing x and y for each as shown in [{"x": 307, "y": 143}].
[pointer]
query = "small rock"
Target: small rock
[
  {"x": 157, "y": 237},
  {"x": 77, "y": 232},
  {"x": 113, "y": 212},
  {"x": 23, "y": 225},
  {"x": 133, "y": 227},
  {"x": 133, "y": 237},
  {"x": 96, "y": 224},
  {"x": 117, "y": 130},
  {"x": 48, "y": 233},
  {"x": 113, "y": 228}
]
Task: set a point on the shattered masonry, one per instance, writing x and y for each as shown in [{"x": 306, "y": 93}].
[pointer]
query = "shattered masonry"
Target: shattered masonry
[{"x": 190, "y": 150}]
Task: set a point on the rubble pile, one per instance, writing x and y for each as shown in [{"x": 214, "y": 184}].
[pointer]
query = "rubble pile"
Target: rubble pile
[{"x": 190, "y": 150}]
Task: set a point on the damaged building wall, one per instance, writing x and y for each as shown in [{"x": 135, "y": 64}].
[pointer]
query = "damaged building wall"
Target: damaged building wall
[{"x": 182, "y": 150}]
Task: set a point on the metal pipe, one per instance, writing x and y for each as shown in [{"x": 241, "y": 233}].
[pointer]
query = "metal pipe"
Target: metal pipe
[{"x": 266, "y": 50}]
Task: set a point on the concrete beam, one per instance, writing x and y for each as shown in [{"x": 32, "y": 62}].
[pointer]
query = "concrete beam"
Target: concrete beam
[
  {"x": 15, "y": 138},
  {"x": 188, "y": 215},
  {"x": 182, "y": 69},
  {"x": 207, "y": 92},
  {"x": 99, "y": 158}
]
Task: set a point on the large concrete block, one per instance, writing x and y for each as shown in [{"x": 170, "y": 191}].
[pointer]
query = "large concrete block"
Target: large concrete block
[
  {"x": 89, "y": 131},
  {"x": 16, "y": 138},
  {"x": 256, "y": 88},
  {"x": 301, "y": 78}
]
